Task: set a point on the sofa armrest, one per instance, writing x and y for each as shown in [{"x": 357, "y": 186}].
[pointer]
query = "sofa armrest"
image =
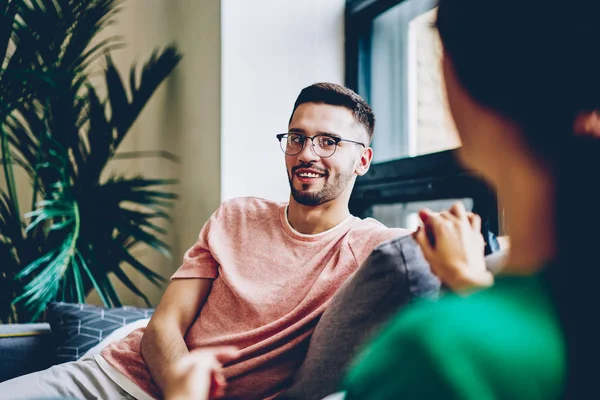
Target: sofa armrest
[{"x": 24, "y": 348}]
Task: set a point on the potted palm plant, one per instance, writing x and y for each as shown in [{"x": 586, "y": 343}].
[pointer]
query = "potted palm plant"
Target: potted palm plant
[{"x": 78, "y": 227}]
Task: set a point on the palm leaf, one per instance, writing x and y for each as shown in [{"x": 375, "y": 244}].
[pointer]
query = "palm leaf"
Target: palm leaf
[
  {"x": 7, "y": 163},
  {"x": 154, "y": 71},
  {"x": 86, "y": 23},
  {"x": 100, "y": 138},
  {"x": 7, "y": 17},
  {"x": 50, "y": 269},
  {"x": 8, "y": 289},
  {"x": 80, "y": 229},
  {"x": 120, "y": 274},
  {"x": 9, "y": 264}
]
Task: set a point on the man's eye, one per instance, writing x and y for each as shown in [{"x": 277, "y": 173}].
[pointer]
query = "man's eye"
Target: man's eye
[
  {"x": 328, "y": 142},
  {"x": 295, "y": 139}
]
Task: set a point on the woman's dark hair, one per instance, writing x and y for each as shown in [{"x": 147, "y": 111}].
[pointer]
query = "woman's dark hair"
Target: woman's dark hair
[{"x": 537, "y": 63}]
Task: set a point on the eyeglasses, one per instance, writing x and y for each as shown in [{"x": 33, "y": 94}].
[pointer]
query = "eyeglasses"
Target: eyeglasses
[{"x": 323, "y": 145}]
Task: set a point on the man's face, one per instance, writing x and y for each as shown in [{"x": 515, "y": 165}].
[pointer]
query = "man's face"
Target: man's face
[{"x": 315, "y": 180}]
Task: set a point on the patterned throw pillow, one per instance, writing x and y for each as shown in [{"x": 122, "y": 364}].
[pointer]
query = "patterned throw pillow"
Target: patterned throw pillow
[{"x": 77, "y": 328}]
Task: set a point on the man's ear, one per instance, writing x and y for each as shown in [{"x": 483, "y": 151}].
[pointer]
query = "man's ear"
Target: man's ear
[{"x": 365, "y": 161}]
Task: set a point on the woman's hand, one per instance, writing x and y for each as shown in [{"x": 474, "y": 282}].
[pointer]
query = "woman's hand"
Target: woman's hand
[
  {"x": 199, "y": 375},
  {"x": 452, "y": 243}
]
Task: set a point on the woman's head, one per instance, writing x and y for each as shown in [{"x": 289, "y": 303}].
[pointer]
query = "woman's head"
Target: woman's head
[
  {"x": 533, "y": 67},
  {"x": 529, "y": 64}
]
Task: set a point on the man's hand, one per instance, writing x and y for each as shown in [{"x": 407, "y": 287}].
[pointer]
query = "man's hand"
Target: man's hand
[
  {"x": 454, "y": 247},
  {"x": 199, "y": 375}
]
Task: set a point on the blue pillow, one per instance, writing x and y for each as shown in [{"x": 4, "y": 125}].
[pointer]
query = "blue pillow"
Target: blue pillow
[{"x": 76, "y": 328}]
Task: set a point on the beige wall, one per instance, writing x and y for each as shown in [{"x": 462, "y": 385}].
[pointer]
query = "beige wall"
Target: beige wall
[{"x": 183, "y": 117}]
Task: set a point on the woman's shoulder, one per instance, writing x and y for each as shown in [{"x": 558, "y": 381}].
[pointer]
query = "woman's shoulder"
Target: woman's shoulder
[
  {"x": 474, "y": 344},
  {"x": 515, "y": 315}
]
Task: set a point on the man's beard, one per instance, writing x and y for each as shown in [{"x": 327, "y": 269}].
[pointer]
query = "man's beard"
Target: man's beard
[{"x": 333, "y": 188}]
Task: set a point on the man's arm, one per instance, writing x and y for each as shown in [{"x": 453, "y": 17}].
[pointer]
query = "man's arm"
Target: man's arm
[{"x": 162, "y": 343}]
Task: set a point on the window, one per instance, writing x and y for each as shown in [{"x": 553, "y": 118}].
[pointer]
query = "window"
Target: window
[
  {"x": 405, "y": 215},
  {"x": 392, "y": 192},
  {"x": 398, "y": 72},
  {"x": 393, "y": 56}
]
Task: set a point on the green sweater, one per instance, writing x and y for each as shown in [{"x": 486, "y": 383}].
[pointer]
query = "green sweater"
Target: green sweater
[{"x": 501, "y": 343}]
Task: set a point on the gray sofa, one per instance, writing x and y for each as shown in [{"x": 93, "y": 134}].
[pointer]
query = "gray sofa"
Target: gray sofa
[
  {"x": 73, "y": 330},
  {"x": 25, "y": 348},
  {"x": 394, "y": 275}
]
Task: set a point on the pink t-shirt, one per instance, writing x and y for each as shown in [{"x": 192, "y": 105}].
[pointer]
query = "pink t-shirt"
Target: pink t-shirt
[{"x": 271, "y": 285}]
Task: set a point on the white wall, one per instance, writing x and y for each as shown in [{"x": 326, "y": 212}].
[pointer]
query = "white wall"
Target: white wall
[{"x": 271, "y": 49}]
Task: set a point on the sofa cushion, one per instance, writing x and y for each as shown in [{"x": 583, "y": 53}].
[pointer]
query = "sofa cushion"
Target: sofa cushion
[
  {"x": 76, "y": 328},
  {"x": 117, "y": 335},
  {"x": 393, "y": 275},
  {"x": 24, "y": 348}
]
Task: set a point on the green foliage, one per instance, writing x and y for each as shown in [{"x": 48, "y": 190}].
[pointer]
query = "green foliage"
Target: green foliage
[{"x": 62, "y": 133}]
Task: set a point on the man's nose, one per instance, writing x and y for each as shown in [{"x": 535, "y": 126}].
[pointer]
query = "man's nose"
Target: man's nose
[{"x": 308, "y": 152}]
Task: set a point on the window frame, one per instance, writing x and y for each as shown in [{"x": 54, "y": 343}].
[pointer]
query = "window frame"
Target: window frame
[{"x": 434, "y": 176}]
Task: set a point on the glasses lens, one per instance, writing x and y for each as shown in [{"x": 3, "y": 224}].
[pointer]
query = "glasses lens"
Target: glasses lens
[
  {"x": 325, "y": 146},
  {"x": 292, "y": 144}
]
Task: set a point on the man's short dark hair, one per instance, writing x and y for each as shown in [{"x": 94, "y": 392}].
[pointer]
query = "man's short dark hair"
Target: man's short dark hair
[{"x": 338, "y": 95}]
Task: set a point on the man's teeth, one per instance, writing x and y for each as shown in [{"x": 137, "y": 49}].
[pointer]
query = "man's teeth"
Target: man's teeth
[{"x": 309, "y": 175}]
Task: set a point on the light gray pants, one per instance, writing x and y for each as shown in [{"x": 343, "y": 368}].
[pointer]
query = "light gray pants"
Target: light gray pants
[{"x": 83, "y": 379}]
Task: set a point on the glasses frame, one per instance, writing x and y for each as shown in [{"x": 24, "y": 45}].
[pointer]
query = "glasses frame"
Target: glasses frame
[{"x": 336, "y": 139}]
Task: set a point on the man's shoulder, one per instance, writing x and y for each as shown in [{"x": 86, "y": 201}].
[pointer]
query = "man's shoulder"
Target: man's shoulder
[
  {"x": 366, "y": 234},
  {"x": 378, "y": 232}
]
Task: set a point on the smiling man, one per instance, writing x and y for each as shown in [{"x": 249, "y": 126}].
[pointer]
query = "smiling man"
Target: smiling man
[
  {"x": 326, "y": 147},
  {"x": 258, "y": 278}
]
